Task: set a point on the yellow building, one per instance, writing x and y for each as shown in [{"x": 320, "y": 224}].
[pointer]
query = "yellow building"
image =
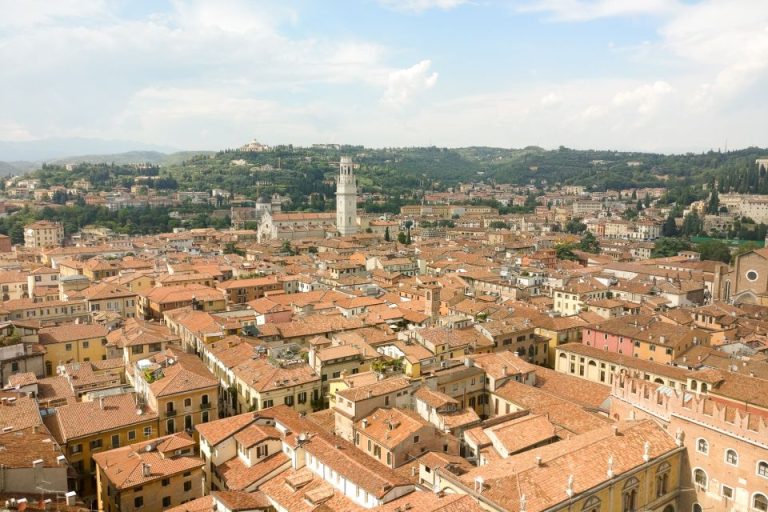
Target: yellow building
[
  {"x": 43, "y": 233},
  {"x": 72, "y": 343},
  {"x": 109, "y": 297},
  {"x": 179, "y": 387},
  {"x": 639, "y": 469},
  {"x": 261, "y": 384},
  {"x": 85, "y": 428},
  {"x": 149, "y": 475}
]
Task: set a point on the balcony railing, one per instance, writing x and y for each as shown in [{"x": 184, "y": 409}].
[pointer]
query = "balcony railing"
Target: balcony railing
[
  {"x": 170, "y": 413},
  {"x": 206, "y": 405}
]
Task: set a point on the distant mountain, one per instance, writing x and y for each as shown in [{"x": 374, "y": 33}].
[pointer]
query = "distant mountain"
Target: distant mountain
[
  {"x": 132, "y": 157},
  {"x": 54, "y": 149}
]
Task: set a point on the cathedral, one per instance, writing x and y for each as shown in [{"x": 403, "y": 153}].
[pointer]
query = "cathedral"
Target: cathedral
[{"x": 302, "y": 225}]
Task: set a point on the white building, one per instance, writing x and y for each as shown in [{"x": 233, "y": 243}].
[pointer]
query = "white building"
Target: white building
[{"x": 346, "y": 198}]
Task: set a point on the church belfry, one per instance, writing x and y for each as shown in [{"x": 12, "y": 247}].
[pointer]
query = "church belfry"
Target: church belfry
[{"x": 346, "y": 198}]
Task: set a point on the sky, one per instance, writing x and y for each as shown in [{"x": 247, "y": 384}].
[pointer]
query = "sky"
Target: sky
[{"x": 650, "y": 75}]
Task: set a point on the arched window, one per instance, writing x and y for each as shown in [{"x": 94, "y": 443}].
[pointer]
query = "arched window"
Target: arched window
[
  {"x": 702, "y": 446},
  {"x": 629, "y": 495},
  {"x": 700, "y": 478},
  {"x": 731, "y": 457},
  {"x": 697, "y": 508},
  {"x": 592, "y": 504},
  {"x": 762, "y": 469},
  {"x": 760, "y": 502},
  {"x": 662, "y": 479}
]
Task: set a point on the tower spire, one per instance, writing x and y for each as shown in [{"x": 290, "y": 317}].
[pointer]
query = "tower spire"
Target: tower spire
[{"x": 346, "y": 198}]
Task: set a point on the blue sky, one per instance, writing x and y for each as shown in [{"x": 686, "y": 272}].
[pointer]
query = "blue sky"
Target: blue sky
[{"x": 660, "y": 75}]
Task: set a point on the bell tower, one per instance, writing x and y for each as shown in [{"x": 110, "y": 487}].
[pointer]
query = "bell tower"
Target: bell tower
[{"x": 346, "y": 198}]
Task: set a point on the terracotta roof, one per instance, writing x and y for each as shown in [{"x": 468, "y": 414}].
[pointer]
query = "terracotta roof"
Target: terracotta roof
[
  {"x": 86, "y": 418},
  {"x": 124, "y": 466},
  {"x": 71, "y": 332}
]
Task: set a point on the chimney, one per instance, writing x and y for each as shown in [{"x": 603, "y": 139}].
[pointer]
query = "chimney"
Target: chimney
[
  {"x": 504, "y": 370},
  {"x": 146, "y": 470},
  {"x": 370, "y": 393},
  {"x": 365, "y": 423},
  {"x": 610, "y": 472},
  {"x": 71, "y": 498},
  {"x": 538, "y": 460},
  {"x": 101, "y": 403},
  {"x": 615, "y": 430}
]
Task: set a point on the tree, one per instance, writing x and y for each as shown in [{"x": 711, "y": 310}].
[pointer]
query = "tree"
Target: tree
[
  {"x": 401, "y": 238},
  {"x": 745, "y": 248},
  {"x": 589, "y": 243},
  {"x": 575, "y": 226},
  {"x": 565, "y": 252},
  {"x": 286, "y": 248},
  {"x": 408, "y": 225},
  {"x": 692, "y": 224},
  {"x": 713, "y": 205},
  {"x": 665, "y": 247},
  {"x": 714, "y": 250},
  {"x": 629, "y": 214},
  {"x": 669, "y": 228},
  {"x": 387, "y": 237},
  {"x": 639, "y": 206},
  {"x": 498, "y": 224}
]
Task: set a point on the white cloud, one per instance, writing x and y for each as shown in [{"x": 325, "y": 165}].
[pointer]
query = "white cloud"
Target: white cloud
[
  {"x": 644, "y": 98},
  {"x": 551, "y": 100},
  {"x": 404, "y": 84},
  {"x": 585, "y": 10},
  {"x": 419, "y": 6}
]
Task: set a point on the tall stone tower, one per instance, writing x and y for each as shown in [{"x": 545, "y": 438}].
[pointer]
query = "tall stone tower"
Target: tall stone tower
[{"x": 346, "y": 198}]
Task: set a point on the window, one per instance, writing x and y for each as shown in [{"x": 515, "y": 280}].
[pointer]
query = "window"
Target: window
[
  {"x": 731, "y": 457},
  {"x": 760, "y": 502},
  {"x": 187, "y": 486},
  {"x": 762, "y": 469},
  {"x": 751, "y": 275},
  {"x": 76, "y": 448},
  {"x": 662, "y": 479},
  {"x": 187, "y": 402},
  {"x": 147, "y": 431},
  {"x": 204, "y": 417},
  {"x": 68, "y": 347},
  {"x": 288, "y": 400},
  {"x": 726, "y": 492},
  {"x": 170, "y": 426},
  {"x": 389, "y": 459},
  {"x": 116, "y": 441},
  {"x": 138, "y": 502},
  {"x": 592, "y": 504},
  {"x": 204, "y": 399},
  {"x": 187, "y": 422},
  {"x": 415, "y": 439},
  {"x": 86, "y": 344},
  {"x": 15, "y": 366},
  {"x": 95, "y": 444},
  {"x": 166, "y": 482},
  {"x": 700, "y": 478},
  {"x": 629, "y": 495},
  {"x": 166, "y": 501},
  {"x": 169, "y": 407},
  {"x": 702, "y": 446},
  {"x": 137, "y": 349},
  {"x": 267, "y": 403},
  {"x": 302, "y": 397}
]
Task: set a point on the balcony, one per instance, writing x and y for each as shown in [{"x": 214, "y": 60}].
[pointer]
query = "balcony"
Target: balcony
[
  {"x": 170, "y": 414},
  {"x": 204, "y": 406}
]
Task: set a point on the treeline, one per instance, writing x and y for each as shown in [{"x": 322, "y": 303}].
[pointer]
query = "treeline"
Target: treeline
[{"x": 130, "y": 221}]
